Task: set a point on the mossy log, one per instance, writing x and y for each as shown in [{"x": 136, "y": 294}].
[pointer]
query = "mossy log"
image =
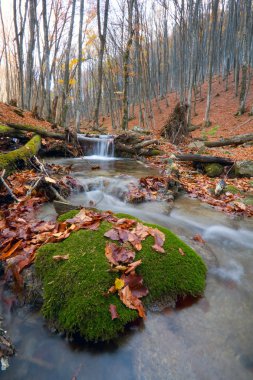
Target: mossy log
[
  {"x": 237, "y": 140},
  {"x": 75, "y": 290},
  {"x": 10, "y": 132},
  {"x": 17, "y": 158},
  {"x": 38, "y": 130}
]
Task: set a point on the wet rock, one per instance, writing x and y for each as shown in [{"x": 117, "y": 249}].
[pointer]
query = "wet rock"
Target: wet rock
[{"x": 6, "y": 349}]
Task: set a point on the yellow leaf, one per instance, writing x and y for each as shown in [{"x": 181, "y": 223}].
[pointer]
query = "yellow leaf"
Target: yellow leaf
[
  {"x": 119, "y": 284},
  {"x": 72, "y": 82}
]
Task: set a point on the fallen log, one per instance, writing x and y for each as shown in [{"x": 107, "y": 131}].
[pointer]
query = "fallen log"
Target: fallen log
[
  {"x": 10, "y": 132},
  {"x": 38, "y": 130},
  {"x": 145, "y": 143},
  {"x": 237, "y": 140},
  {"x": 204, "y": 159},
  {"x": 17, "y": 158},
  {"x": 133, "y": 151}
]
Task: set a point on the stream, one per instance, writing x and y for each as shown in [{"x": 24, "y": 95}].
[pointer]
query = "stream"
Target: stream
[{"x": 207, "y": 339}]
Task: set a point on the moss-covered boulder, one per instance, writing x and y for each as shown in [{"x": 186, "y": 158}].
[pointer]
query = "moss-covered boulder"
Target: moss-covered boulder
[
  {"x": 244, "y": 168},
  {"x": 213, "y": 170},
  {"x": 75, "y": 290}
]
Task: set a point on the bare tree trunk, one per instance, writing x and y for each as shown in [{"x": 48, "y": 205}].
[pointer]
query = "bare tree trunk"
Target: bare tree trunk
[
  {"x": 47, "y": 58},
  {"x": 65, "y": 92},
  {"x": 102, "y": 38},
  {"x": 7, "y": 79},
  {"x": 19, "y": 37},
  {"x": 79, "y": 68},
  {"x": 30, "y": 53},
  {"x": 126, "y": 57},
  {"x": 210, "y": 60}
]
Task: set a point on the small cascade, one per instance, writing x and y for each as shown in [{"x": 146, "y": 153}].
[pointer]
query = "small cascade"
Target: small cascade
[{"x": 101, "y": 146}]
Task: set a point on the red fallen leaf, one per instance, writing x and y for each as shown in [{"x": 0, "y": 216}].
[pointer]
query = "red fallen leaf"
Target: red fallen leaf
[
  {"x": 132, "y": 266},
  {"x": 135, "y": 241},
  {"x": 109, "y": 248},
  {"x": 44, "y": 227},
  {"x": 125, "y": 223},
  {"x": 135, "y": 283},
  {"x": 61, "y": 227},
  {"x": 112, "y": 234},
  {"x": 60, "y": 257},
  {"x": 11, "y": 250},
  {"x": 181, "y": 252},
  {"x": 113, "y": 311},
  {"x": 82, "y": 216},
  {"x": 123, "y": 234},
  {"x": 94, "y": 226},
  {"x": 116, "y": 254},
  {"x": 199, "y": 238},
  {"x": 131, "y": 301},
  {"x": 141, "y": 231},
  {"x": 159, "y": 239}
]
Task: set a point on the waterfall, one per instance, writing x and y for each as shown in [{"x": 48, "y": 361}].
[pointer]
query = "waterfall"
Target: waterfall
[{"x": 101, "y": 146}]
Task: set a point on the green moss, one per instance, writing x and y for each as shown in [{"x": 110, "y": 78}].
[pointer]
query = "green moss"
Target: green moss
[
  {"x": 156, "y": 152},
  {"x": 5, "y": 130},
  {"x": 232, "y": 189},
  {"x": 74, "y": 289},
  {"x": 248, "y": 201},
  {"x": 213, "y": 170},
  {"x": 9, "y": 160},
  {"x": 68, "y": 215}
]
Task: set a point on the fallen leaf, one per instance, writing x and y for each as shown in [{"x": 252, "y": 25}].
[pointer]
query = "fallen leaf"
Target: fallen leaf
[
  {"x": 131, "y": 301},
  {"x": 113, "y": 311},
  {"x": 119, "y": 283},
  {"x": 11, "y": 250},
  {"x": 116, "y": 254},
  {"x": 159, "y": 239},
  {"x": 60, "y": 257},
  {"x": 181, "y": 252},
  {"x": 132, "y": 266},
  {"x": 113, "y": 234},
  {"x": 199, "y": 238}
]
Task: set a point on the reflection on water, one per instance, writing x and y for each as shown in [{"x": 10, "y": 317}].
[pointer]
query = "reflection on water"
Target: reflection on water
[{"x": 211, "y": 339}]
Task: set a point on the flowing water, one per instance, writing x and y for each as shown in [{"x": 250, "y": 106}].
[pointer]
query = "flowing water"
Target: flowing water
[
  {"x": 101, "y": 146},
  {"x": 208, "y": 339}
]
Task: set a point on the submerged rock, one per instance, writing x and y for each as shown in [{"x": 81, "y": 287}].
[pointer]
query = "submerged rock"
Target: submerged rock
[{"x": 75, "y": 291}]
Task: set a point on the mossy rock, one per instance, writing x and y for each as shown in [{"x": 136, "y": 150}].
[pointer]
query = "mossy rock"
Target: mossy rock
[
  {"x": 232, "y": 189},
  {"x": 74, "y": 290},
  {"x": 213, "y": 170}
]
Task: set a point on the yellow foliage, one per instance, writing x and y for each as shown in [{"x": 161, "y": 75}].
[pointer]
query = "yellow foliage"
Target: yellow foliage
[
  {"x": 119, "y": 284},
  {"x": 73, "y": 62},
  {"x": 72, "y": 82}
]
